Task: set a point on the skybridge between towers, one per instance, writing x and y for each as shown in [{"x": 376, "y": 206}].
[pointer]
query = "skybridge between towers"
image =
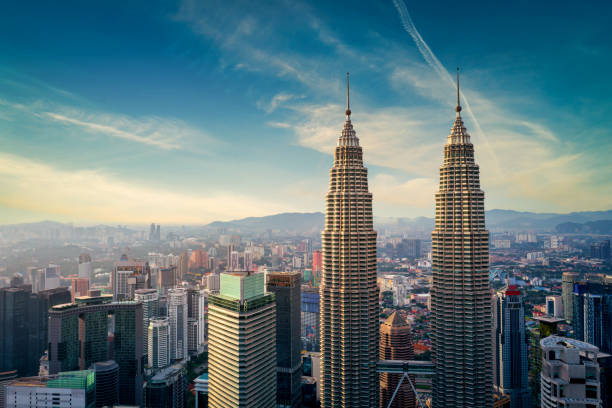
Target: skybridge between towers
[{"x": 407, "y": 368}]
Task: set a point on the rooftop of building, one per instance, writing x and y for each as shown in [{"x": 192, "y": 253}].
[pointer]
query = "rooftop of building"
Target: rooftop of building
[
  {"x": 557, "y": 341},
  {"x": 202, "y": 378},
  {"x": 70, "y": 379},
  {"x": 548, "y": 319}
]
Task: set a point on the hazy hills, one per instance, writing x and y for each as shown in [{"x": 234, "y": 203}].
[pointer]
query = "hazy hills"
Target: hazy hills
[{"x": 597, "y": 222}]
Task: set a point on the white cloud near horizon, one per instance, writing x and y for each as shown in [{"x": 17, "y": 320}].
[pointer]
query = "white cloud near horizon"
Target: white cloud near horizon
[{"x": 93, "y": 196}]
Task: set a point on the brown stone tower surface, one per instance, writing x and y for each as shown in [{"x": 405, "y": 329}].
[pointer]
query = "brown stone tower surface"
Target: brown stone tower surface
[
  {"x": 460, "y": 292},
  {"x": 349, "y": 307},
  {"x": 396, "y": 344}
]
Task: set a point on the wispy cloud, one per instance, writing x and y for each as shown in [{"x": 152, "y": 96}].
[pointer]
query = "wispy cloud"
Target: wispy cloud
[
  {"x": 155, "y": 131},
  {"x": 90, "y": 196},
  {"x": 276, "y": 101}
]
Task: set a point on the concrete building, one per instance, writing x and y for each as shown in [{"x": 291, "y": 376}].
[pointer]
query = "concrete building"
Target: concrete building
[
  {"x": 150, "y": 309},
  {"x": 286, "y": 289},
  {"x": 570, "y": 374},
  {"x": 396, "y": 344},
  {"x": 197, "y": 303},
  {"x": 80, "y": 287},
  {"x": 177, "y": 317},
  {"x": 349, "y": 294},
  {"x": 510, "y": 365},
  {"x": 52, "y": 277},
  {"x": 460, "y": 292},
  {"x": 85, "y": 267},
  {"x": 63, "y": 390},
  {"x": 242, "y": 343},
  {"x": 554, "y": 306},
  {"x": 567, "y": 289},
  {"x": 158, "y": 351},
  {"x": 128, "y": 276}
]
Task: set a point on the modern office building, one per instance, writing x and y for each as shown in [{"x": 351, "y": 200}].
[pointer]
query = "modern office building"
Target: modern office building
[
  {"x": 286, "y": 289},
  {"x": 23, "y": 326},
  {"x": 570, "y": 374},
  {"x": 601, "y": 250},
  {"x": 349, "y": 294},
  {"x": 242, "y": 343},
  {"x": 85, "y": 267},
  {"x": 80, "y": 287},
  {"x": 52, "y": 277},
  {"x": 311, "y": 321},
  {"x": 510, "y": 369},
  {"x": 158, "y": 351},
  {"x": 554, "y": 306},
  {"x": 197, "y": 300},
  {"x": 396, "y": 344},
  {"x": 166, "y": 388},
  {"x": 63, "y": 390},
  {"x": 177, "y": 317},
  {"x": 128, "y": 276},
  {"x": 592, "y": 316},
  {"x": 107, "y": 383},
  {"x": 150, "y": 309},
  {"x": 79, "y": 337},
  {"x": 167, "y": 279},
  {"x": 460, "y": 292},
  {"x": 568, "y": 280},
  {"x": 36, "y": 277}
]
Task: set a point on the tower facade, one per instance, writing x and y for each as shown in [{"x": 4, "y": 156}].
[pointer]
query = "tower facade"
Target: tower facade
[
  {"x": 396, "y": 344},
  {"x": 510, "y": 375},
  {"x": 286, "y": 289},
  {"x": 242, "y": 343},
  {"x": 177, "y": 316},
  {"x": 158, "y": 351},
  {"x": 348, "y": 293},
  {"x": 460, "y": 293}
]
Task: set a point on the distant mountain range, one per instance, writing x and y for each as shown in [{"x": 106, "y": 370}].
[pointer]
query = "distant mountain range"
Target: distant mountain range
[
  {"x": 589, "y": 222},
  {"x": 597, "y": 222}
]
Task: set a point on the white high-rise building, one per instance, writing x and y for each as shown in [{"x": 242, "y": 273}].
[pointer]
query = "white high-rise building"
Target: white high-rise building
[
  {"x": 158, "y": 334},
  {"x": 554, "y": 306},
  {"x": 52, "y": 277},
  {"x": 177, "y": 315},
  {"x": 570, "y": 374},
  {"x": 248, "y": 260},
  {"x": 150, "y": 310},
  {"x": 85, "y": 267}
]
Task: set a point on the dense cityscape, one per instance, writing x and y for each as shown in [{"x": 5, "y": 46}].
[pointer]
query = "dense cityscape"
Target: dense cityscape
[
  {"x": 264, "y": 312},
  {"x": 198, "y": 208}
]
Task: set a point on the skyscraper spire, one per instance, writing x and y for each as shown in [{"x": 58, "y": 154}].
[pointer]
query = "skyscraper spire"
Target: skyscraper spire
[
  {"x": 348, "y": 98},
  {"x": 458, "y": 107},
  {"x": 348, "y": 137}
]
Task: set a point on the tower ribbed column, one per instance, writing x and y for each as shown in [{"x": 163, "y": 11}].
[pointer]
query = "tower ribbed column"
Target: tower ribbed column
[
  {"x": 460, "y": 294},
  {"x": 349, "y": 296}
]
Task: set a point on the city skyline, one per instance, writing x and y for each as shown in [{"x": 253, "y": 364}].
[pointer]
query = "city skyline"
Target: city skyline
[{"x": 101, "y": 124}]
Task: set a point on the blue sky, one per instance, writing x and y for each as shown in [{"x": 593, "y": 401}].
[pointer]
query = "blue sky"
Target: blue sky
[{"x": 192, "y": 111}]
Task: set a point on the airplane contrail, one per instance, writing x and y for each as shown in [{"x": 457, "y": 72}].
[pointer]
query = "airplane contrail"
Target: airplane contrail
[{"x": 437, "y": 66}]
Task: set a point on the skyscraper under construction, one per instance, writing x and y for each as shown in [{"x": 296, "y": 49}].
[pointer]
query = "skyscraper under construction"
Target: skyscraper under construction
[
  {"x": 460, "y": 293},
  {"x": 349, "y": 295}
]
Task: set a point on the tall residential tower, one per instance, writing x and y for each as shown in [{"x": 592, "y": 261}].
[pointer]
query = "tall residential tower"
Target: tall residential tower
[
  {"x": 460, "y": 293},
  {"x": 349, "y": 295}
]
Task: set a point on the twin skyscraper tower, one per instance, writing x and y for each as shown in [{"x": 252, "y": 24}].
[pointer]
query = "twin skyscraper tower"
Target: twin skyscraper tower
[{"x": 460, "y": 293}]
